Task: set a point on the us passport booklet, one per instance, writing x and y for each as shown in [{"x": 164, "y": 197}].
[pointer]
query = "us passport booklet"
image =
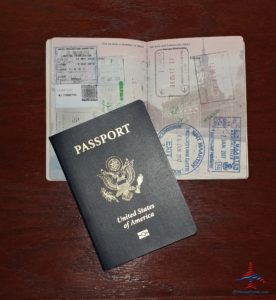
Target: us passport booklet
[
  {"x": 123, "y": 184},
  {"x": 194, "y": 90}
]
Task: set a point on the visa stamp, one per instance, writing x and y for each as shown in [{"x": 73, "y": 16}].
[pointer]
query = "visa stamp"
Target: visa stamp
[
  {"x": 224, "y": 151},
  {"x": 184, "y": 147},
  {"x": 76, "y": 65}
]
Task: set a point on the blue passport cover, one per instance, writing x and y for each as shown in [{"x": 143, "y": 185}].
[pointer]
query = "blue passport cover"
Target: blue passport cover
[{"x": 123, "y": 184}]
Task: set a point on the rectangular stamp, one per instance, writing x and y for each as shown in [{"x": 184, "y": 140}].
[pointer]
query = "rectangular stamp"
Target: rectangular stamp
[
  {"x": 110, "y": 70},
  {"x": 213, "y": 77},
  {"x": 224, "y": 151},
  {"x": 171, "y": 72}
]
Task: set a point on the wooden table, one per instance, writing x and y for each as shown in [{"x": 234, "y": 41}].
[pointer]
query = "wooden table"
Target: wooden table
[{"x": 45, "y": 250}]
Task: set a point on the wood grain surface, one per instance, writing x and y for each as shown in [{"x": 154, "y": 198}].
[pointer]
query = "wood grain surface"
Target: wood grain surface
[{"x": 45, "y": 251}]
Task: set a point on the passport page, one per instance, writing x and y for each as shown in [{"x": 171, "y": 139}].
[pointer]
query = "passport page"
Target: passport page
[
  {"x": 86, "y": 77},
  {"x": 197, "y": 102}
]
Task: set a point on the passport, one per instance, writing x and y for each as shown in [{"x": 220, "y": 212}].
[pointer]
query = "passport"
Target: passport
[
  {"x": 122, "y": 182},
  {"x": 194, "y": 90}
]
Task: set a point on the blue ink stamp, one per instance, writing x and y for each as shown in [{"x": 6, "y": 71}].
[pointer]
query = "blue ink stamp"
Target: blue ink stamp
[
  {"x": 184, "y": 147},
  {"x": 224, "y": 152}
]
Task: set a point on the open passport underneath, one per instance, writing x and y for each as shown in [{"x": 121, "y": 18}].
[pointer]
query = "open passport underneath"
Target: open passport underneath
[
  {"x": 194, "y": 90},
  {"x": 123, "y": 184}
]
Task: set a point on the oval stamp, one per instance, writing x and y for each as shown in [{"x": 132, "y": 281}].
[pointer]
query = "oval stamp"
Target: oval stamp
[{"x": 184, "y": 147}]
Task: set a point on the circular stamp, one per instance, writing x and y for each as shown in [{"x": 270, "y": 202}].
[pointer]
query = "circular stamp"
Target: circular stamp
[{"x": 184, "y": 147}]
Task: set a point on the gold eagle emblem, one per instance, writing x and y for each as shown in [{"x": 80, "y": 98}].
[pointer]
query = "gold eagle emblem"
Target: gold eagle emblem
[{"x": 118, "y": 178}]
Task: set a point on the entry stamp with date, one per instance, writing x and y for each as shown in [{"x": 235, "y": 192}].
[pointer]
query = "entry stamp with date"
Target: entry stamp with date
[{"x": 224, "y": 153}]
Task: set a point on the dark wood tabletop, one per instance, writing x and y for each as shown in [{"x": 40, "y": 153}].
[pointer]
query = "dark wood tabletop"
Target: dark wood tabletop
[{"x": 45, "y": 250}]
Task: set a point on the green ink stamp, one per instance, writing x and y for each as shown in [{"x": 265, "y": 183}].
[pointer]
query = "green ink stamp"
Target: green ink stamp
[{"x": 121, "y": 88}]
